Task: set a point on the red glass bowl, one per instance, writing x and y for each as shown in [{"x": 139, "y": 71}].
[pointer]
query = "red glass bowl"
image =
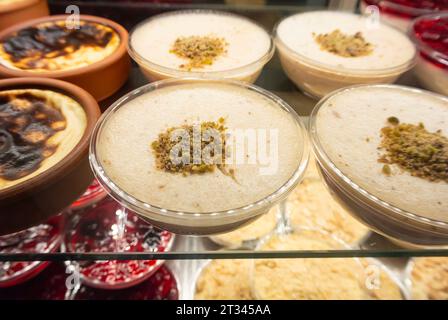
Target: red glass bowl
[
  {"x": 160, "y": 286},
  {"x": 430, "y": 35},
  {"x": 43, "y": 238},
  {"x": 93, "y": 194},
  {"x": 409, "y": 8},
  {"x": 97, "y": 229},
  {"x": 49, "y": 285},
  {"x": 400, "y": 13}
]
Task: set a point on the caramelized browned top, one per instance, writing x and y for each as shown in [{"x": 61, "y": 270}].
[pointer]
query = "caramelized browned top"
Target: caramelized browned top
[
  {"x": 31, "y": 47},
  {"x": 27, "y": 122}
]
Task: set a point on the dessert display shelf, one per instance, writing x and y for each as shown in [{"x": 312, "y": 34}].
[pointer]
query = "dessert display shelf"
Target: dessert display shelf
[{"x": 186, "y": 257}]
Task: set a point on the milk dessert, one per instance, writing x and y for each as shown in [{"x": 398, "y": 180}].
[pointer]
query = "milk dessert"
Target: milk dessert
[
  {"x": 354, "y": 115},
  {"x": 322, "y": 51},
  {"x": 200, "y": 43},
  {"x": 382, "y": 151},
  {"x": 128, "y": 144},
  {"x": 38, "y": 128}
]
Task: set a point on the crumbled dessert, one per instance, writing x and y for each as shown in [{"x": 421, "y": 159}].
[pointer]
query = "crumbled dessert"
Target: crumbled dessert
[
  {"x": 413, "y": 148},
  {"x": 309, "y": 279},
  {"x": 224, "y": 280},
  {"x": 344, "y": 45},
  {"x": 200, "y": 51},
  {"x": 257, "y": 229},
  {"x": 429, "y": 278},
  {"x": 311, "y": 205},
  {"x": 378, "y": 283}
]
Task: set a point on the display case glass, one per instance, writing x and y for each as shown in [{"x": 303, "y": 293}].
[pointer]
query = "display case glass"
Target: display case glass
[{"x": 109, "y": 247}]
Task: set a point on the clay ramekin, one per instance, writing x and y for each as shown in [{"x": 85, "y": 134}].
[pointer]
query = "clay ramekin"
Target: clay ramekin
[
  {"x": 101, "y": 79},
  {"x": 38, "y": 198},
  {"x": 19, "y": 11}
]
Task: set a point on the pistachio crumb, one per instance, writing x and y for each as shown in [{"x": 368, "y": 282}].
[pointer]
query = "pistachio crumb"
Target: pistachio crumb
[
  {"x": 344, "y": 45},
  {"x": 422, "y": 153},
  {"x": 200, "y": 51},
  {"x": 393, "y": 120},
  {"x": 386, "y": 170},
  {"x": 163, "y": 146}
]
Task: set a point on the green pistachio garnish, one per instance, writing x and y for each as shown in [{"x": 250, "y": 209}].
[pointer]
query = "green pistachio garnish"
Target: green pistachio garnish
[
  {"x": 200, "y": 51},
  {"x": 413, "y": 148},
  {"x": 344, "y": 45},
  {"x": 163, "y": 146}
]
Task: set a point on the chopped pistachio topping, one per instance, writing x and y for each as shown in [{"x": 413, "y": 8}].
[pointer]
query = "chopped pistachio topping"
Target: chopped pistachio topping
[
  {"x": 422, "y": 153},
  {"x": 200, "y": 51},
  {"x": 344, "y": 45},
  {"x": 176, "y": 152}
]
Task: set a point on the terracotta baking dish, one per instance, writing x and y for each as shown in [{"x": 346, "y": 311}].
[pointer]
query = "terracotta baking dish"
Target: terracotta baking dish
[
  {"x": 101, "y": 79},
  {"x": 36, "y": 199},
  {"x": 22, "y": 10}
]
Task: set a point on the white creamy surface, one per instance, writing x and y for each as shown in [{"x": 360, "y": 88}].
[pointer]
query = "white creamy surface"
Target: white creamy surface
[
  {"x": 247, "y": 42},
  {"x": 124, "y": 146},
  {"x": 348, "y": 119},
  {"x": 391, "y": 48}
]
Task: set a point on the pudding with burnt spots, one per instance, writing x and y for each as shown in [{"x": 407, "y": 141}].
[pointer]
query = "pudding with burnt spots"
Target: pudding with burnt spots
[
  {"x": 38, "y": 128},
  {"x": 58, "y": 46}
]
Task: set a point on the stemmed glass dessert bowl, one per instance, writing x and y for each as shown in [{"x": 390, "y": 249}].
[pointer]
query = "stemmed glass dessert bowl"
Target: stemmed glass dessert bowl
[
  {"x": 204, "y": 203},
  {"x": 408, "y": 207}
]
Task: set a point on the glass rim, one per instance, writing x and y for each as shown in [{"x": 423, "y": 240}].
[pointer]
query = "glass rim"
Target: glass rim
[
  {"x": 361, "y": 193},
  {"x": 131, "y": 202},
  {"x": 342, "y": 70},
  {"x": 199, "y": 74},
  {"x": 400, "y": 8},
  {"x": 432, "y": 53}
]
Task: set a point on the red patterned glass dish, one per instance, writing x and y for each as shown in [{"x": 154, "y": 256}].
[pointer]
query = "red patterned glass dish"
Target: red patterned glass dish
[
  {"x": 43, "y": 238},
  {"x": 400, "y": 13},
  {"x": 108, "y": 227},
  {"x": 93, "y": 194},
  {"x": 160, "y": 286},
  {"x": 51, "y": 285},
  {"x": 430, "y": 35}
]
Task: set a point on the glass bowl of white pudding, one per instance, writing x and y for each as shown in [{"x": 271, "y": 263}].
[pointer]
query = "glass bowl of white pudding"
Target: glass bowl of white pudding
[
  {"x": 131, "y": 136},
  {"x": 382, "y": 151},
  {"x": 322, "y": 51},
  {"x": 200, "y": 44},
  {"x": 430, "y": 35}
]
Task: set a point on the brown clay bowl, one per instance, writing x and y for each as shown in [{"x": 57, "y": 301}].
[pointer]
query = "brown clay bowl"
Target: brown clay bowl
[
  {"x": 34, "y": 200},
  {"x": 22, "y": 10},
  {"x": 101, "y": 79}
]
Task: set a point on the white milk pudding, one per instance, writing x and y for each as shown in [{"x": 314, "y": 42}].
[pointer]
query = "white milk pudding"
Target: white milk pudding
[
  {"x": 383, "y": 152},
  {"x": 135, "y": 148},
  {"x": 350, "y": 128},
  {"x": 200, "y": 43},
  {"x": 325, "y": 50}
]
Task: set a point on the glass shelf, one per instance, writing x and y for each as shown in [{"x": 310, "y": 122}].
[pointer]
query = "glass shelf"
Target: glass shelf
[{"x": 273, "y": 79}]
